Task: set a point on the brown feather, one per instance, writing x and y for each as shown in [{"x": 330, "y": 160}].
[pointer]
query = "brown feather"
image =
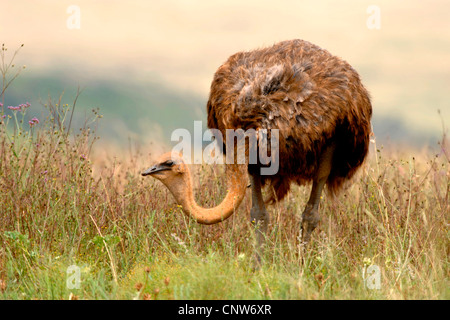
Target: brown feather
[{"x": 311, "y": 96}]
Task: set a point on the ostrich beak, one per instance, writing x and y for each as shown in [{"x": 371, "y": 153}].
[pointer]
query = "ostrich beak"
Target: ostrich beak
[{"x": 154, "y": 169}]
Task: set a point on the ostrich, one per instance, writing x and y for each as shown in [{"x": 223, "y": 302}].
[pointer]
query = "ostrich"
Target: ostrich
[{"x": 322, "y": 113}]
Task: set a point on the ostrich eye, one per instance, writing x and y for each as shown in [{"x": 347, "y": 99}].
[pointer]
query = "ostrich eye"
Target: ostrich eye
[{"x": 168, "y": 163}]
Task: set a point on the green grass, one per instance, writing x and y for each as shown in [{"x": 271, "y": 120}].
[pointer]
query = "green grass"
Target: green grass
[
  {"x": 124, "y": 232},
  {"x": 62, "y": 205}
]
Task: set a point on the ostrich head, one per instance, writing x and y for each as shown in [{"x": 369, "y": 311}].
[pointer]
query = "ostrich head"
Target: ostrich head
[{"x": 169, "y": 168}]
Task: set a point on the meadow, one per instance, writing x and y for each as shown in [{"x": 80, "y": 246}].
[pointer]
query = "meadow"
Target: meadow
[{"x": 78, "y": 221}]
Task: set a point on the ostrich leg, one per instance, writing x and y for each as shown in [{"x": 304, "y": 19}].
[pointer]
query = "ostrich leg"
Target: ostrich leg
[
  {"x": 310, "y": 217},
  {"x": 259, "y": 215}
]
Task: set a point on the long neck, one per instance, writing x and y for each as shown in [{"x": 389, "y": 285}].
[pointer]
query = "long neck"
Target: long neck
[{"x": 236, "y": 184}]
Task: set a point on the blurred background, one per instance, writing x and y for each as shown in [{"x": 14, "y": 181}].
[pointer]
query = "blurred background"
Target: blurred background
[{"x": 148, "y": 65}]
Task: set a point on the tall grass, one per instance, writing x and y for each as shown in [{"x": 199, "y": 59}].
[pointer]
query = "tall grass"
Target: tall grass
[{"x": 62, "y": 204}]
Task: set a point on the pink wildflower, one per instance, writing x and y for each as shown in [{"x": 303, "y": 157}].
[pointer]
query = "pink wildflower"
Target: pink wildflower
[{"x": 33, "y": 122}]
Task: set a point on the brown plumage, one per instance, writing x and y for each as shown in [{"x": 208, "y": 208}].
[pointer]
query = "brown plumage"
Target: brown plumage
[{"x": 311, "y": 96}]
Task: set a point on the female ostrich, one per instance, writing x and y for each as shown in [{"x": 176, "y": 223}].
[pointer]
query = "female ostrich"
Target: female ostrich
[{"x": 321, "y": 110}]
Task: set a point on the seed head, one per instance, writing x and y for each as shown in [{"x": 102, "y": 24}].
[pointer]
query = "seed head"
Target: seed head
[
  {"x": 147, "y": 296},
  {"x": 167, "y": 281},
  {"x": 138, "y": 286}
]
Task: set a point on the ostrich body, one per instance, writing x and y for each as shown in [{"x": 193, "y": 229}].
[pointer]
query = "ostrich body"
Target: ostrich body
[{"x": 318, "y": 104}]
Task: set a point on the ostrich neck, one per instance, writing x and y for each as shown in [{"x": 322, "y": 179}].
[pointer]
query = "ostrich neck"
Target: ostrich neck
[{"x": 236, "y": 184}]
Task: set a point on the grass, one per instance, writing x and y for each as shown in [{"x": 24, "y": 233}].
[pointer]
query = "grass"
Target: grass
[{"x": 63, "y": 205}]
